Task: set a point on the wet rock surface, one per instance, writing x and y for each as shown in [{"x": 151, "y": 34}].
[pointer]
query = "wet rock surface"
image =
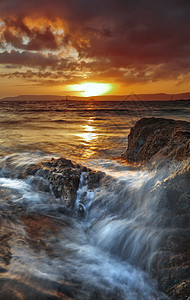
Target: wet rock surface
[
  {"x": 157, "y": 138},
  {"x": 163, "y": 144},
  {"x": 172, "y": 267},
  {"x": 36, "y": 233},
  {"x": 64, "y": 178}
]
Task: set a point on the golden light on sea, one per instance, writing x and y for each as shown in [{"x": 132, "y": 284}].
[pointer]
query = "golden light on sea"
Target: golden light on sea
[
  {"x": 89, "y": 133},
  {"x": 91, "y": 88},
  {"x": 88, "y": 137}
]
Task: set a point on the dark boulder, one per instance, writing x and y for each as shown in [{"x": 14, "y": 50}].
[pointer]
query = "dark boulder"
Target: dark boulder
[
  {"x": 164, "y": 144},
  {"x": 157, "y": 138},
  {"x": 64, "y": 178}
]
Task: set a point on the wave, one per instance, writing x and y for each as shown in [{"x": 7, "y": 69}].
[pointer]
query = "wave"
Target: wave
[{"x": 55, "y": 255}]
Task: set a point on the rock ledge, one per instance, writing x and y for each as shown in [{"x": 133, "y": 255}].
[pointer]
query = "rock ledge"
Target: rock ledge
[{"x": 158, "y": 139}]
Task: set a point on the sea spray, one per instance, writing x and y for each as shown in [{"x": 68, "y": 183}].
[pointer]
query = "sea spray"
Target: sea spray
[
  {"x": 54, "y": 254},
  {"x": 130, "y": 217},
  {"x": 85, "y": 196}
]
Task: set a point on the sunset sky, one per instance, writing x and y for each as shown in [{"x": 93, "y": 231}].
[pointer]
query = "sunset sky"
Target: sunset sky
[{"x": 67, "y": 47}]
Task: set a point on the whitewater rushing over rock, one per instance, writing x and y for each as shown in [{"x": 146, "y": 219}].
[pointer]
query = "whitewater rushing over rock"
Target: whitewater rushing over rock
[
  {"x": 51, "y": 250},
  {"x": 69, "y": 232}
]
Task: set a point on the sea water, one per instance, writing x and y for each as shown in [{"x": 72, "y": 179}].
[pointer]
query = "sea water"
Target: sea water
[{"x": 45, "y": 254}]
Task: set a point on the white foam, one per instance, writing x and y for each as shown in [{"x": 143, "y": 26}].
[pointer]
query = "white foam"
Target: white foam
[
  {"x": 84, "y": 195},
  {"x": 15, "y": 184}
]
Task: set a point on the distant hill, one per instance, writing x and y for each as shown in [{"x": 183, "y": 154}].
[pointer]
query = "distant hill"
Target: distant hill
[
  {"x": 131, "y": 97},
  {"x": 34, "y": 97}
]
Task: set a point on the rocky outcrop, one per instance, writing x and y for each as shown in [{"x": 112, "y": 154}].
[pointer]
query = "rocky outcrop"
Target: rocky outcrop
[
  {"x": 171, "y": 263},
  {"x": 158, "y": 139},
  {"x": 64, "y": 177},
  {"x": 165, "y": 144}
]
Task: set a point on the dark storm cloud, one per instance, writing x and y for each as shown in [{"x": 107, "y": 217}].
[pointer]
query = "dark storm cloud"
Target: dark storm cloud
[
  {"x": 55, "y": 77},
  {"x": 149, "y": 38},
  {"x": 36, "y": 59},
  {"x": 38, "y": 40},
  {"x": 27, "y": 58}
]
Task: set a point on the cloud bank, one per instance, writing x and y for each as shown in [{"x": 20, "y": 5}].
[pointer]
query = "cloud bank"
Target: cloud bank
[{"x": 99, "y": 40}]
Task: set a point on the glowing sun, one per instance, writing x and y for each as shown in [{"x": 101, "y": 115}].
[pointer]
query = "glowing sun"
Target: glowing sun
[{"x": 91, "y": 88}]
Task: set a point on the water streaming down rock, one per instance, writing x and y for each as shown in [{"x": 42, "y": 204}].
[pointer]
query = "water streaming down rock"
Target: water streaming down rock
[
  {"x": 84, "y": 197},
  {"x": 46, "y": 254},
  {"x": 70, "y": 232},
  {"x": 143, "y": 227},
  {"x": 164, "y": 145}
]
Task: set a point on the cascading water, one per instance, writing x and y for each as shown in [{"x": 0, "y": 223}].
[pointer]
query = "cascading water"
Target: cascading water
[
  {"x": 133, "y": 222},
  {"x": 102, "y": 254},
  {"x": 85, "y": 196}
]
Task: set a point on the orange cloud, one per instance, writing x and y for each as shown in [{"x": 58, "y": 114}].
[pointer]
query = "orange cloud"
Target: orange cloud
[{"x": 118, "y": 41}]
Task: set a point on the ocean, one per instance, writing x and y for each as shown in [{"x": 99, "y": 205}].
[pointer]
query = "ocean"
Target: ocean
[
  {"x": 45, "y": 254},
  {"x": 77, "y": 130}
]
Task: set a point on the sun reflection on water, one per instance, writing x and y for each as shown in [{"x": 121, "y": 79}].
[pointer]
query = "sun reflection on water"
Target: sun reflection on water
[
  {"x": 89, "y": 133},
  {"x": 89, "y": 128},
  {"x": 88, "y": 137}
]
